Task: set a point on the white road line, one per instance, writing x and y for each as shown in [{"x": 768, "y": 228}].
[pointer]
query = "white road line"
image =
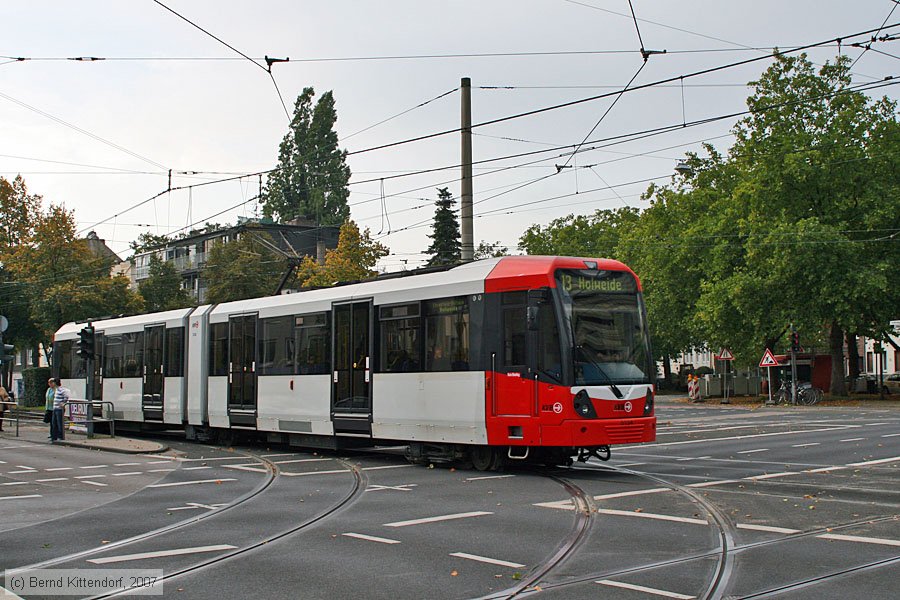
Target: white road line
[
  {"x": 130, "y": 473},
  {"x": 633, "y": 493},
  {"x": 648, "y": 590},
  {"x": 490, "y": 561},
  {"x": 277, "y": 455},
  {"x": 438, "y": 519},
  {"x": 51, "y": 479},
  {"x": 771, "y": 475},
  {"x": 160, "y": 470},
  {"x": 127, "y": 464},
  {"x": 313, "y": 473},
  {"x": 18, "y": 472},
  {"x": 386, "y": 467},
  {"x": 825, "y": 469},
  {"x": 160, "y": 553},
  {"x": 59, "y": 469},
  {"x": 238, "y": 457},
  {"x": 737, "y": 437},
  {"x": 488, "y": 477},
  {"x": 97, "y": 483},
  {"x": 15, "y": 483},
  {"x": 26, "y": 467},
  {"x": 891, "y": 435},
  {"x": 248, "y": 467},
  {"x": 370, "y": 538},
  {"x": 195, "y": 482},
  {"x": 856, "y": 538},
  {"x": 805, "y": 445},
  {"x": 711, "y": 483},
  {"x": 852, "y": 440},
  {"x": 880, "y": 461},
  {"x": 632, "y": 464},
  {"x": 300, "y": 460},
  {"x": 768, "y": 528},
  {"x": 88, "y": 476},
  {"x": 20, "y": 497},
  {"x": 187, "y": 469},
  {"x": 875, "y": 424},
  {"x": 94, "y": 467},
  {"x": 643, "y": 515},
  {"x": 754, "y": 451},
  {"x": 159, "y": 462}
]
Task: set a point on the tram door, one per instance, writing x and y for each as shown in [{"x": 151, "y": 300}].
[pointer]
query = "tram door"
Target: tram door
[
  {"x": 152, "y": 404},
  {"x": 242, "y": 370},
  {"x": 351, "y": 398}
]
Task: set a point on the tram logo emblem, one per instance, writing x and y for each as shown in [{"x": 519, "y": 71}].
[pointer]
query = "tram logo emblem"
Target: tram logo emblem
[
  {"x": 628, "y": 407},
  {"x": 557, "y": 407}
]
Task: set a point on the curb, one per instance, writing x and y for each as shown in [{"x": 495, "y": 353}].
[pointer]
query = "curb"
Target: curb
[{"x": 157, "y": 449}]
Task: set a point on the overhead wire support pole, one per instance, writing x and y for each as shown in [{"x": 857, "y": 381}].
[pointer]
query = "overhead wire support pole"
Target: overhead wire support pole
[{"x": 467, "y": 241}]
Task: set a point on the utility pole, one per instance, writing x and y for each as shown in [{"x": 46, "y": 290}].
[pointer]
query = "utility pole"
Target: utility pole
[
  {"x": 795, "y": 343},
  {"x": 467, "y": 242}
]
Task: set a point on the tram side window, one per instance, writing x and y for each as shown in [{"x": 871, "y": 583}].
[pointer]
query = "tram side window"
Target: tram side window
[
  {"x": 312, "y": 338},
  {"x": 218, "y": 349},
  {"x": 133, "y": 350},
  {"x": 63, "y": 359},
  {"x": 276, "y": 346},
  {"x": 447, "y": 334},
  {"x": 400, "y": 348},
  {"x": 514, "y": 330},
  {"x": 548, "y": 356},
  {"x": 175, "y": 352},
  {"x": 114, "y": 356}
]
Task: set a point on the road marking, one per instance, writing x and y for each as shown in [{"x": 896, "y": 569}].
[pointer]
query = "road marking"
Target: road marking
[
  {"x": 124, "y": 474},
  {"x": 768, "y": 528},
  {"x": 160, "y": 470},
  {"x": 20, "y": 497},
  {"x": 634, "y": 493},
  {"x": 648, "y": 590},
  {"x": 195, "y": 482},
  {"x": 852, "y": 440},
  {"x": 59, "y": 469},
  {"x": 824, "y": 469},
  {"x": 185, "y": 468},
  {"x": 18, "y": 472},
  {"x": 805, "y": 445},
  {"x": 406, "y": 487},
  {"x": 127, "y": 464},
  {"x": 88, "y": 476},
  {"x": 238, "y": 457},
  {"x": 313, "y": 473},
  {"x": 94, "y": 467},
  {"x": 438, "y": 519},
  {"x": 632, "y": 464},
  {"x": 711, "y": 483},
  {"x": 371, "y": 538},
  {"x": 737, "y": 437},
  {"x": 97, "y": 483},
  {"x": 484, "y": 559},
  {"x": 300, "y": 460},
  {"x": 772, "y": 475},
  {"x": 875, "y": 462},
  {"x": 15, "y": 483},
  {"x": 196, "y": 505},
  {"x": 874, "y": 424},
  {"x": 643, "y": 515},
  {"x": 891, "y": 435},
  {"x": 51, "y": 479},
  {"x": 253, "y": 467},
  {"x": 160, "y": 553},
  {"x": 160, "y": 462},
  {"x": 386, "y": 467},
  {"x": 277, "y": 455},
  {"x": 488, "y": 477},
  {"x": 26, "y": 467},
  {"x": 856, "y": 538},
  {"x": 753, "y": 451}
]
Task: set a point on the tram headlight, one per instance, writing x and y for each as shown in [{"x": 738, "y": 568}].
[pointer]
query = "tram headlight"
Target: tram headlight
[
  {"x": 648, "y": 403},
  {"x": 583, "y": 405}
]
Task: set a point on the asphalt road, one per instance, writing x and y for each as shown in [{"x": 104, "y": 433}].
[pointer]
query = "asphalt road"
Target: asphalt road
[{"x": 729, "y": 502}]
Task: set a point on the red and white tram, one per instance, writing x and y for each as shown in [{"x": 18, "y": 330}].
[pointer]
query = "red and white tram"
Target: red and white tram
[{"x": 523, "y": 357}]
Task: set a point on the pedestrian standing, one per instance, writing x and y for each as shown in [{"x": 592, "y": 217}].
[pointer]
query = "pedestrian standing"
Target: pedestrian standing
[
  {"x": 48, "y": 405},
  {"x": 4, "y": 398},
  {"x": 60, "y": 400}
]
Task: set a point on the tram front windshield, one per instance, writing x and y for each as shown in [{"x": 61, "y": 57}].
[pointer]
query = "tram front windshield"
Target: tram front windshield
[{"x": 603, "y": 313}]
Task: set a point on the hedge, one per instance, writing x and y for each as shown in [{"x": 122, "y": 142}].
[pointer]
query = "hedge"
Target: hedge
[{"x": 35, "y": 385}]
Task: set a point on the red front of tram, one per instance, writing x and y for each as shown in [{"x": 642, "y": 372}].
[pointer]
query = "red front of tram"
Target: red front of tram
[{"x": 572, "y": 374}]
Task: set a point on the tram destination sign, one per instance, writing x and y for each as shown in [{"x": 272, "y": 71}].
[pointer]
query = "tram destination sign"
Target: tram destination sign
[{"x": 608, "y": 282}]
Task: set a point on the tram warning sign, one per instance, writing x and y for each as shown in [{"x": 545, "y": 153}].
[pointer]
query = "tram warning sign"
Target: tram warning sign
[
  {"x": 768, "y": 360},
  {"x": 725, "y": 354}
]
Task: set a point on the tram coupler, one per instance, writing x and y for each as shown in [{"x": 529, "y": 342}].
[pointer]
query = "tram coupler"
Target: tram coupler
[{"x": 600, "y": 453}]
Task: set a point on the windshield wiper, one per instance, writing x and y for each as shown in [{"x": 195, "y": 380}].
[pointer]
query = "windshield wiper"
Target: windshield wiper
[{"x": 600, "y": 370}]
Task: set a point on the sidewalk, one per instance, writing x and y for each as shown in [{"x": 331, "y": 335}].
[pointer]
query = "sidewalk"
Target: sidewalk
[
  {"x": 36, "y": 432},
  {"x": 872, "y": 402}
]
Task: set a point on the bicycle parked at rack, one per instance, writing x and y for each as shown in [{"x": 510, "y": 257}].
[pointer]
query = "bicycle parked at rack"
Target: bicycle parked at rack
[{"x": 807, "y": 395}]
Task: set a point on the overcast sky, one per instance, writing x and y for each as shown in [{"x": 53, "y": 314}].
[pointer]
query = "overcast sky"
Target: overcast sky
[{"x": 99, "y": 137}]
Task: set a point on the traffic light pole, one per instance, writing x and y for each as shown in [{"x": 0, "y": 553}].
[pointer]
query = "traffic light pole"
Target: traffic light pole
[{"x": 793, "y": 365}]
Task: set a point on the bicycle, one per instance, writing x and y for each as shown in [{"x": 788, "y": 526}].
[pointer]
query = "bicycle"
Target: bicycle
[{"x": 807, "y": 395}]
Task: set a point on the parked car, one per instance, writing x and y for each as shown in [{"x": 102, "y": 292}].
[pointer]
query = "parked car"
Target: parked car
[{"x": 892, "y": 384}]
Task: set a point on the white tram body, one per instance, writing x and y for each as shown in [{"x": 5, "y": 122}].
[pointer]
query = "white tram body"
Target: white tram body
[{"x": 528, "y": 352}]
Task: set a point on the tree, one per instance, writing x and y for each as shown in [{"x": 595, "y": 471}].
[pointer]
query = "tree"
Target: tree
[
  {"x": 354, "y": 259},
  {"x": 595, "y": 236},
  {"x": 162, "y": 289},
  {"x": 311, "y": 179},
  {"x": 243, "y": 268},
  {"x": 445, "y": 248},
  {"x": 487, "y": 250}
]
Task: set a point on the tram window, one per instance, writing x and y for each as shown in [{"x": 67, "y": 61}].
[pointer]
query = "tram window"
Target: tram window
[
  {"x": 548, "y": 355},
  {"x": 133, "y": 354},
  {"x": 114, "y": 356},
  {"x": 447, "y": 334},
  {"x": 276, "y": 346},
  {"x": 312, "y": 338},
  {"x": 218, "y": 349},
  {"x": 400, "y": 351},
  {"x": 514, "y": 330},
  {"x": 175, "y": 352},
  {"x": 62, "y": 359}
]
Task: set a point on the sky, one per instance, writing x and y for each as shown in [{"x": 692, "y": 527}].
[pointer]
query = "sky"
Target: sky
[{"x": 100, "y": 137}]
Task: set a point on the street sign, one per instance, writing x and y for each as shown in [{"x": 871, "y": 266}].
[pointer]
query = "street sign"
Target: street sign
[
  {"x": 725, "y": 354},
  {"x": 768, "y": 360}
]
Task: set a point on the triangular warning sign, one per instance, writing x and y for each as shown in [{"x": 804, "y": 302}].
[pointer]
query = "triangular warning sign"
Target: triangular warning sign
[
  {"x": 725, "y": 354},
  {"x": 768, "y": 360}
]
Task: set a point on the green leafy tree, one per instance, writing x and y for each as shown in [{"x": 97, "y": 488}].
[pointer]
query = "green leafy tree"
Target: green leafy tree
[
  {"x": 311, "y": 179},
  {"x": 354, "y": 259},
  {"x": 162, "y": 289},
  {"x": 594, "y": 235},
  {"x": 148, "y": 241},
  {"x": 445, "y": 248},
  {"x": 243, "y": 268},
  {"x": 488, "y": 250}
]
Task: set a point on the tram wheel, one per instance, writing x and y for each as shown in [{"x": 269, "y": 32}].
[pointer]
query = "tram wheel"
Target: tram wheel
[{"x": 485, "y": 458}]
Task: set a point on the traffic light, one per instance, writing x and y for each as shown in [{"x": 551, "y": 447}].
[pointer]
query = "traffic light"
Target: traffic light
[
  {"x": 795, "y": 342},
  {"x": 7, "y": 351},
  {"x": 86, "y": 343}
]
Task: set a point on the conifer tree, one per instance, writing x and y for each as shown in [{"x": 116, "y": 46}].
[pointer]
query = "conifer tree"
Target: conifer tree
[{"x": 445, "y": 248}]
